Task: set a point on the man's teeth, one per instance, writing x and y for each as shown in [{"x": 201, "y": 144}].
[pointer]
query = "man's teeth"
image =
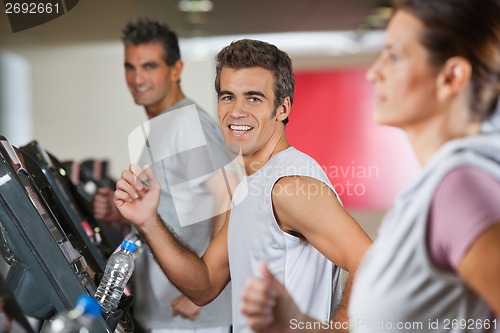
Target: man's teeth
[{"x": 240, "y": 127}]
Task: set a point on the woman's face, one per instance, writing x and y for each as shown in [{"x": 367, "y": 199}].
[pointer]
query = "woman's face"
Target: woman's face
[{"x": 405, "y": 85}]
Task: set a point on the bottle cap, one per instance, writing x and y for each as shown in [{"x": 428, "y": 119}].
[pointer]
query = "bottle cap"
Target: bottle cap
[
  {"x": 89, "y": 305},
  {"x": 126, "y": 245}
]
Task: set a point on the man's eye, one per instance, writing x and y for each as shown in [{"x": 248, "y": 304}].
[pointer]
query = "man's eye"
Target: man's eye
[
  {"x": 253, "y": 99},
  {"x": 226, "y": 98}
]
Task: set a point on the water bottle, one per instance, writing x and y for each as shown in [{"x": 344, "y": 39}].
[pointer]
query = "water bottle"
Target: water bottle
[
  {"x": 116, "y": 275},
  {"x": 134, "y": 237},
  {"x": 78, "y": 320}
]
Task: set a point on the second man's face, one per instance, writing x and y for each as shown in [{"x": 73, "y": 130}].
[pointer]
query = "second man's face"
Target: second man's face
[{"x": 149, "y": 79}]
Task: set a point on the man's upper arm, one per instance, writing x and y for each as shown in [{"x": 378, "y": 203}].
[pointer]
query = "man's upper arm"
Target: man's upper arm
[{"x": 309, "y": 207}]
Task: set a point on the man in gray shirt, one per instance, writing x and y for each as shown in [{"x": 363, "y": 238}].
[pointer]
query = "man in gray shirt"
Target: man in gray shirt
[{"x": 153, "y": 69}]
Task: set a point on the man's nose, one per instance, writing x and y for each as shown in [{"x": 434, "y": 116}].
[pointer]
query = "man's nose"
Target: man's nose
[{"x": 238, "y": 110}]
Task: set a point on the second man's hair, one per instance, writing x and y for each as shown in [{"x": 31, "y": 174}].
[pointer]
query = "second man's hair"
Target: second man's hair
[{"x": 147, "y": 31}]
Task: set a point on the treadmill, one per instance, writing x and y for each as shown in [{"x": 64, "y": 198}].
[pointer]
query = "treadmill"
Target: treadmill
[{"x": 49, "y": 266}]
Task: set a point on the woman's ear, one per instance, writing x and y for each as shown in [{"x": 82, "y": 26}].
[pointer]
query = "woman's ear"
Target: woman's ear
[{"x": 454, "y": 77}]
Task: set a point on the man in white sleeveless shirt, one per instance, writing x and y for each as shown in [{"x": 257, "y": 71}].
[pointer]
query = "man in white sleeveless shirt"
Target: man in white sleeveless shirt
[{"x": 284, "y": 212}]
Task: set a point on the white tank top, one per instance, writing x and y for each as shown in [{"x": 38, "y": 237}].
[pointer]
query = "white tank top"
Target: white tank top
[{"x": 254, "y": 234}]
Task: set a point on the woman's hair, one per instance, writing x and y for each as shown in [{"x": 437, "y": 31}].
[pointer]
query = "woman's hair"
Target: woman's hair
[
  {"x": 247, "y": 53},
  {"x": 469, "y": 29}
]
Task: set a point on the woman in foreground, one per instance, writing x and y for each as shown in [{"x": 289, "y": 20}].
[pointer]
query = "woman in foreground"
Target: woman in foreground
[{"x": 435, "y": 265}]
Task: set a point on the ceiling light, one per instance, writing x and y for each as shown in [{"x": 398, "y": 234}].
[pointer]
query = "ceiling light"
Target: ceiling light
[
  {"x": 378, "y": 19},
  {"x": 196, "y": 5}
]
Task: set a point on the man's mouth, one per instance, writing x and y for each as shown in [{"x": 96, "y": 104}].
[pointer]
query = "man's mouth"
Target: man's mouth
[
  {"x": 240, "y": 129},
  {"x": 141, "y": 89}
]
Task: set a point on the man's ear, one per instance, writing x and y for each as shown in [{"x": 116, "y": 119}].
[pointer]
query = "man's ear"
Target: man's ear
[
  {"x": 176, "y": 70},
  {"x": 453, "y": 78},
  {"x": 284, "y": 109}
]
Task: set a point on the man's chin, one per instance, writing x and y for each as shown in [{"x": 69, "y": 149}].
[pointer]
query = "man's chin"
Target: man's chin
[
  {"x": 140, "y": 102},
  {"x": 233, "y": 148}
]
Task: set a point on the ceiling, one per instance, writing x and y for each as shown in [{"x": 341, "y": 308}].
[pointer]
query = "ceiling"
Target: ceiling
[{"x": 102, "y": 20}]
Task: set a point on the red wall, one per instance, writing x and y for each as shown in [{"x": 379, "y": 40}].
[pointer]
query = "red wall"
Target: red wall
[{"x": 332, "y": 121}]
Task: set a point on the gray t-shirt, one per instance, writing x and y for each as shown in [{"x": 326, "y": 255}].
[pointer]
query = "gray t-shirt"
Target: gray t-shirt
[{"x": 179, "y": 156}]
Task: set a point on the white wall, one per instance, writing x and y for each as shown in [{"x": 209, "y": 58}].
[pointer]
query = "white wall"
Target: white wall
[
  {"x": 81, "y": 105},
  {"x": 16, "y": 120}
]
